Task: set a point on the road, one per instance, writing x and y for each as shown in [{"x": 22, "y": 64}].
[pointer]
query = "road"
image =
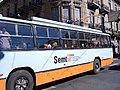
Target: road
[{"x": 107, "y": 79}]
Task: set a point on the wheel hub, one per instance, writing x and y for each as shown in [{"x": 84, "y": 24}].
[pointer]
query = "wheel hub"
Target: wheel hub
[{"x": 21, "y": 84}]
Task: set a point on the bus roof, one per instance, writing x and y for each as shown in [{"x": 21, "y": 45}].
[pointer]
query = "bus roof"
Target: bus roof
[{"x": 51, "y": 23}]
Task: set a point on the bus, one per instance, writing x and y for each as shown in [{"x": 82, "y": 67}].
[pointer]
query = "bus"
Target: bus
[{"x": 38, "y": 51}]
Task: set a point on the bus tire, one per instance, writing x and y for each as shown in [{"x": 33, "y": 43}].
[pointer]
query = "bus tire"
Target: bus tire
[
  {"x": 20, "y": 80},
  {"x": 96, "y": 66}
]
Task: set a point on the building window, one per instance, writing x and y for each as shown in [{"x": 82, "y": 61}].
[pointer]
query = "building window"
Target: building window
[
  {"x": 92, "y": 19},
  {"x": 77, "y": 14},
  {"x": 115, "y": 7},
  {"x": 109, "y": 2},
  {"x": 54, "y": 13},
  {"x": 66, "y": 13}
]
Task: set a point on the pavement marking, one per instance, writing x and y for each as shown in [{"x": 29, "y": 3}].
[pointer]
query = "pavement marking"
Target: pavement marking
[{"x": 49, "y": 88}]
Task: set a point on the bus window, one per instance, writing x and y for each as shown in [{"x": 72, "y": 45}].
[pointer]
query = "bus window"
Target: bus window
[
  {"x": 93, "y": 40},
  {"x": 5, "y": 42},
  {"x": 104, "y": 41},
  {"x": 73, "y": 34},
  {"x": 84, "y": 44},
  {"x": 84, "y": 40},
  {"x": 6, "y": 30},
  {"x": 66, "y": 44},
  {"x": 41, "y": 31},
  {"x": 64, "y": 34},
  {"x": 10, "y": 28},
  {"x": 70, "y": 44},
  {"x": 22, "y": 43},
  {"x": 55, "y": 43},
  {"x": 54, "y": 38},
  {"x": 45, "y": 41},
  {"x": 74, "y": 44},
  {"x": 25, "y": 30},
  {"x": 109, "y": 41},
  {"x": 81, "y": 35},
  {"x": 53, "y": 32},
  {"x": 87, "y": 36},
  {"x": 41, "y": 42},
  {"x": 48, "y": 43}
]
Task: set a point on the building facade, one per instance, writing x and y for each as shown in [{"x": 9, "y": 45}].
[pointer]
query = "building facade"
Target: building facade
[{"x": 86, "y": 13}]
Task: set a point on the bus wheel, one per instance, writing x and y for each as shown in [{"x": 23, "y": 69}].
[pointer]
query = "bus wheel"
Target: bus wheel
[
  {"x": 96, "y": 66},
  {"x": 20, "y": 80}
]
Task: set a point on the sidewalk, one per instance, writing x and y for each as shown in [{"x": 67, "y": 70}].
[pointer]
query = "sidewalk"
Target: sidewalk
[{"x": 116, "y": 60}]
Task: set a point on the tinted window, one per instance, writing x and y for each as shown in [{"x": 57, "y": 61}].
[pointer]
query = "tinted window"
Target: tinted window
[
  {"x": 64, "y": 34},
  {"x": 10, "y": 28},
  {"x": 87, "y": 36},
  {"x": 41, "y": 31},
  {"x": 5, "y": 42},
  {"x": 22, "y": 43},
  {"x": 93, "y": 40},
  {"x": 104, "y": 41},
  {"x": 53, "y": 32},
  {"x": 24, "y": 30},
  {"x": 41, "y": 42},
  {"x": 70, "y": 44},
  {"x": 84, "y": 44},
  {"x": 47, "y": 43},
  {"x": 81, "y": 35},
  {"x": 109, "y": 41},
  {"x": 55, "y": 43},
  {"x": 73, "y": 34}
]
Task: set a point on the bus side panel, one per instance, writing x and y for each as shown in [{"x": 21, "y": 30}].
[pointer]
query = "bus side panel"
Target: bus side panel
[
  {"x": 54, "y": 59},
  {"x": 49, "y": 76},
  {"x": 2, "y": 84},
  {"x": 57, "y": 64},
  {"x": 58, "y": 74},
  {"x": 6, "y": 62},
  {"x": 106, "y": 62}
]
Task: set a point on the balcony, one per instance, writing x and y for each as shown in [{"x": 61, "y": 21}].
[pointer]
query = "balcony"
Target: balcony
[
  {"x": 104, "y": 9},
  {"x": 54, "y": 1},
  {"x": 117, "y": 1},
  {"x": 77, "y": 1},
  {"x": 66, "y": 0},
  {"x": 93, "y": 4},
  {"x": 58, "y": 2}
]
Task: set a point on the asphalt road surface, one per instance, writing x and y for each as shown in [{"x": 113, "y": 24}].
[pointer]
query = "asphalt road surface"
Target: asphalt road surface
[{"x": 107, "y": 79}]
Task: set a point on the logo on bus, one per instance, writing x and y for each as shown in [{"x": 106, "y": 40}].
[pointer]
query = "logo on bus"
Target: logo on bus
[{"x": 68, "y": 58}]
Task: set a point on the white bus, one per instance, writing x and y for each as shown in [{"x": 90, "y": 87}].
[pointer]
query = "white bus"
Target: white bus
[{"x": 40, "y": 51}]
